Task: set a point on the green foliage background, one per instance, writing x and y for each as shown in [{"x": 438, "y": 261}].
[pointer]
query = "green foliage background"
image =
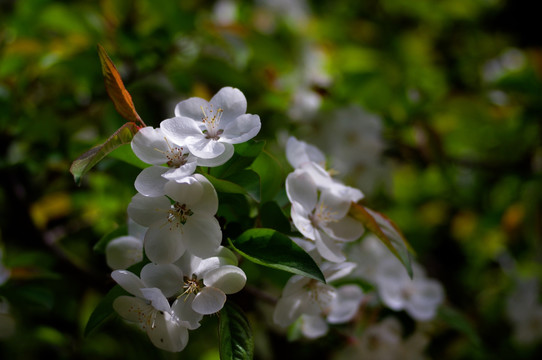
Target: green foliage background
[{"x": 462, "y": 126}]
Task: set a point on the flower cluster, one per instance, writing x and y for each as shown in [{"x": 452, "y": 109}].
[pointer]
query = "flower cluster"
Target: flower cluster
[{"x": 172, "y": 219}]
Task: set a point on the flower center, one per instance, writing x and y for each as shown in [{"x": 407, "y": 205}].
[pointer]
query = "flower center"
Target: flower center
[
  {"x": 191, "y": 285},
  {"x": 321, "y": 216},
  {"x": 178, "y": 214},
  {"x": 321, "y": 295},
  {"x": 175, "y": 155},
  {"x": 211, "y": 120}
]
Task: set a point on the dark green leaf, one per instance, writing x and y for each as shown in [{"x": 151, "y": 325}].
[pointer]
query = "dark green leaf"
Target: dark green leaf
[
  {"x": 125, "y": 153},
  {"x": 270, "y": 248},
  {"x": 271, "y": 175},
  {"x": 235, "y": 334},
  {"x": 272, "y": 217},
  {"x": 249, "y": 181},
  {"x": 244, "y": 155},
  {"x": 102, "y": 243},
  {"x": 104, "y": 309}
]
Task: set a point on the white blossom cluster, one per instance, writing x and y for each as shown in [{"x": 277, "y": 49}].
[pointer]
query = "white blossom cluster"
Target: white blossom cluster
[
  {"x": 319, "y": 211},
  {"x": 172, "y": 219}
]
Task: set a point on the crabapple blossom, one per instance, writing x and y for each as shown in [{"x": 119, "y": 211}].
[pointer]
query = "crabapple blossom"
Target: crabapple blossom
[
  {"x": 419, "y": 297},
  {"x": 299, "y": 152},
  {"x": 150, "y": 309},
  {"x": 181, "y": 220},
  {"x": 153, "y": 147},
  {"x": 210, "y": 128},
  {"x": 125, "y": 251},
  {"x": 317, "y": 303},
  {"x": 321, "y": 216}
]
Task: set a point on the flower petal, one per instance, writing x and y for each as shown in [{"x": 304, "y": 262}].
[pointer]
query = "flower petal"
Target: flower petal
[
  {"x": 181, "y": 130},
  {"x": 345, "y": 229},
  {"x": 150, "y": 145},
  {"x": 208, "y": 201},
  {"x": 329, "y": 248},
  {"x": 184, "y": 192},
  {"x": 156, "y": 298},
  {"x": 313, "y": 326},
  {"x": 123, "y": 252},
  {"x": 220, "y": 159},
  {"x": 287, "y": 310},
  {"x": 150, "y": 182},
  {"x": 146, "y": 210},
  {"x": 179, "y": 173},
  {"x": 164, "y": 243},
  {"x": 129, "y": 282},
  {"x": 202, "y": 234},
  {"x": 232, "y": 101},
  {"x": 182, "y": 307},
  {"x": 228, "y": 278},
  {"x": 301, "y": 189},
  {"x": 166, "y": 277},
  {"x": 346, "y": 304},
  {"x": 209, "y": 301},
  {"x": 132, "y": 309},
  {"x": 191, "y": 108},
  {"x": 300, "y": 218},
  {"x": 168, "y": 333},
  {"x": 299, "y": 152},
  {"x": 206, "y": 148},
  {"x": 242, "y": 129}
]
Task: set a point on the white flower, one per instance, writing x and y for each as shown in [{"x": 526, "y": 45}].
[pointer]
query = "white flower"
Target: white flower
[
  {"x": 419, "y": 297},
  {"x": 150, "y": 309},
  {"x": 206, "y": 283},
  {"x": 125, "y": 251},
  {"x": 210, "y": 128},
  {"x": 186, "y": 222},
  {"x": 368, "y": 255},
  {"x": 317, "y": 303},
  {"x": 321, "y": 216},
  {"x": 153, "y": 147},
  {"x": 299, "y": 152}
]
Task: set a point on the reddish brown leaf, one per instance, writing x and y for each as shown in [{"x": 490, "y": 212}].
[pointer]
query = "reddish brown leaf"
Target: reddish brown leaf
[{"x": 116, "y": 90}]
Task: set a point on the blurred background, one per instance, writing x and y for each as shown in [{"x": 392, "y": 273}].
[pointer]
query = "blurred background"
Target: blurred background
[{"x": 432, "y": 108}]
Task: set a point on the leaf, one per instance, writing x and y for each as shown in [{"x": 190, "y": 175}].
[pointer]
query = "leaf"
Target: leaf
[
  {"x": 125, "y": 153},
  {"x": 270, "y": 248},
  {"x": 235, "y": 335},
  {"x": 245, "y": 182},
  {"x": 225, "y": 186},
  {"x": 272, "y": 217},
  {"x": 85, "y": 162},
  {"x": 244, "y": 155},
  {"x": 386, "y": 231},
  {"x": 116, "y": 90},
  {"x": 271, "y": 175},
  {"x": 104, "y": 309}
]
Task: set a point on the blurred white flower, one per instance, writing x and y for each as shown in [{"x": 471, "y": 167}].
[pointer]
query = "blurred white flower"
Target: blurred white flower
[
  {"x": 524, "y": 311},
  {"x": 419, "y": 297},
  {"x": 367, "y": 254},
  {"x": 317, "y": 303}
]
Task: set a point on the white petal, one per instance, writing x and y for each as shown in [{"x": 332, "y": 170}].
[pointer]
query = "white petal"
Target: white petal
[
  {"x": 156, "y": 298},
  {"x": 167, "y": 277},
  {"x": 123, "y": 252},
  {"x": 164, "y": 243},
  {"x": 150, "y": 146},
  {"x": 220, "y": 159},
  {"x": 346, "y": 304},
  {"x": 136, "y": 230},
  {"x": 146, "y": 210},
  {"x": 242, "y": 129},
  {"x": 287, "y": 310},
  {"x": 184, "y": 193},
  {"x": 209, "y": 301},
  {"x": 129, "y": 282},
  {"x": 337, "y": 206},
  {"x": 228, "y": 278},
  {"x": 168, "y": 333},
  {"x": 181, "y": 130},
  {"x": 295, "y": 285},
  {"x": 206, "y": 148},
  {"x": 231, "y": 100},
  {"x": 345, "y": 229},
  {"x": 335, "y": 271},
  {"x": 202, "y": 234},
  {"x": 179, "y": 173},
  {"x": 299, "y": 152},
  {"x": 318, "y": 174},
  {"x": 313, "y": 326},
  {"x": 132, "y": 309},
  {"x": 208, "y": 201},
  {"x": 189, "y": 263},
  {"x": 300, "y": 218},
  {"x": 329, "y": 248},
  {"x": 191, "y": 108},
  {"x": 301, "y": 189},
  {"x": 150, "y": 182},
  {"x": 182, "y": 307}
]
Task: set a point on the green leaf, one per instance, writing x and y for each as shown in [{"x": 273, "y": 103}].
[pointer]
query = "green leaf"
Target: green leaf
[
  {"x": 271, "y": 175},
  {"x": 270, "y": 248},
  {"x": 225, "y": 186},
  {"x": 244, "y": 155},
  {"x": 102, "y": 243},
  {"x": 104, "y": 309},
  {"x": 386, "y": 231},
  {"x": 85, "y": 162},
  {"x": 235, "y": 334},
  {"x": 272, "y": 217},
  {"x": 125, "y": 153},
  {"x": 459, "y": 322},
  {"x": 244, "y": 182}
]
